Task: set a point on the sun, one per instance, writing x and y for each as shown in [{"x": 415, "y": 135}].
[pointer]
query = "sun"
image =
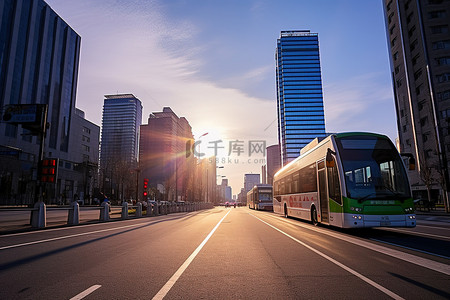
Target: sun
[{"x": 211, "y": 141}]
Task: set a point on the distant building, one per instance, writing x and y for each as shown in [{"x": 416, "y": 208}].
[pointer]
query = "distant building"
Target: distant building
[
  {"x": 39, "y": 58},
  {"x": 250, "y": 180},
  {"x": 273, "y": 161},
  {"x": 122, "y": 116},
  {"x": 419, "y": 46},
  {"x": 225, "y": 190},
  {"x": 264, "y": 173},
  {"x": 85, "y": 139},
  {"x": 163, "y": 159},
  {"x": 228, "y": 193},
  {"x": 299, "y": 92}
]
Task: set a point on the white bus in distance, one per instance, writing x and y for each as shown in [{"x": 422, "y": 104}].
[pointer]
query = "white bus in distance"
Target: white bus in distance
[{"x": 260, "y": 197}]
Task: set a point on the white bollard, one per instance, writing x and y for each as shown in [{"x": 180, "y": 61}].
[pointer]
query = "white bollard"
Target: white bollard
[
  {"x": 149, "y": 209},
  {"x": 124, "y": 210},
  {"x": 39, "y": 216},
  {"x": 139, "y": 210},
  {"x": 73, "y": 217},
  {"x": 104, "y": 211}
]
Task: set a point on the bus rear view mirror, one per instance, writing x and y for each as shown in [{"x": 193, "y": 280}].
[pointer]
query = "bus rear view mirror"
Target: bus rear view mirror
[{"x": 330, "y": 159}]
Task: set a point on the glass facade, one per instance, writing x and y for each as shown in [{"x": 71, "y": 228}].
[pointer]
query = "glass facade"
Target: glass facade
[
  {"x": 299, "y": 92},
  {"x": 39, "y": 56},
  {"x": 122, "y": 118}
]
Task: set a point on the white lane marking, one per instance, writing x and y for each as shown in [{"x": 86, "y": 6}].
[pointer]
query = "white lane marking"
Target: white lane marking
[
  {"x": 76, "y": 235},
  {"x": 409, "y": 248},
  {"x": 68, "y": 228},
  {"x": 348, "y": 269},
  {"x": 86, "y": 292},
  {"x": 423, "y": 262},
  {"x": 169, "y": 284}
]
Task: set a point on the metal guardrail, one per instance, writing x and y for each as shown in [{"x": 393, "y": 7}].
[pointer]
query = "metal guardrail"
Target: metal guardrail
[{"x": 39, "y": 211}]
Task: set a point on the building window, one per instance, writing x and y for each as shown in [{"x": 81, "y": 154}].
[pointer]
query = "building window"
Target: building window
[
  {"x": 439, "y": 29},
  {"x": 396, "y": 55},
  {"x": 425, "y": 137},
  {"x": 443, "y": 77},
  {"x": 415, "y": 58},
  {"x": 86, "y": 130},
  {"x": 388, "y": 6},
  {"x": 411, "y": 31},
  {"x": 418, "y": 89},
  {"x": 86, "y": 139},
  {"x": 445, "y": 113},
  {"x": 409, "y": 18},
  {"x": 404, "y": 128},
  {"x": 428, "y": 153},
  {"x": 413, "y": 45},
  {"x": 85, "y": 148},
  {"x": 437, "y": 14},
  {"x": 85, "y": 157},
  {"x": 397, "y": 69},
  {"x": 417, "y": 74},
  {"x": 394, "y": 40},
  {"x": 441, "y": 45},
  {"x": 408, "y": 142},
  {"x": 424, "y": 121},
  {"x": 402, "y": 113},
  {"x": 399, "y": 83},
  {"x": 407, "y": 4},
  {"x": 443, "y": 61},
  {"x": 390, "y": 18},
  {"x": 444, "y": 95},
  {"x": 391, "y": 31},
  {"x": 421, "y": 105}
]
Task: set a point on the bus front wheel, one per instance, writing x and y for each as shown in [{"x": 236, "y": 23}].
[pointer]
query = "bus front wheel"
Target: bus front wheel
[{"x": 314, "y": 216}]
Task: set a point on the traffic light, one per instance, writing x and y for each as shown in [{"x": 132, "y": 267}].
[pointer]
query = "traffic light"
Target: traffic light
[
  {"x": 145, "y": 187},
  {"x": 49, "y": 170}
]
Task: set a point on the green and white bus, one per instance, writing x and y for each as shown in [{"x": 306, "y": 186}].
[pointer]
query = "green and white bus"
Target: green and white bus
[{"x": 347, "y": 180}]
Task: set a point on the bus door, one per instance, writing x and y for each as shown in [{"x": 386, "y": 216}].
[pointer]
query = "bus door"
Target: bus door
[{"x": 323, "y": 191}]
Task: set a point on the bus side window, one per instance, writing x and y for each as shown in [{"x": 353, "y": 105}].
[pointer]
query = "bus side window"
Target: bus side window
[{"x": 334, "y": 189}]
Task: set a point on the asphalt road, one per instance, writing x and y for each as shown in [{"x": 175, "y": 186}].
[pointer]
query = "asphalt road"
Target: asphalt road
[{"x": 233, "y": 253}]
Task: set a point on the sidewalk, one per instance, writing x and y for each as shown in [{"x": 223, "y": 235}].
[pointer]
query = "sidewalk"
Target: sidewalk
[{"x": 438, "y": 211}]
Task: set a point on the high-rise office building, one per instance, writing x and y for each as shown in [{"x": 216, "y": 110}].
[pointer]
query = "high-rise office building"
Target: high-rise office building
[
  {"x": 122, "y": 117},
  {"x": 39, "y": 57},
  {"x": 119, "y": 146},
  {"x": 163, "y": 159},
  {"x": 299, "y": 92},
  {"x": 250, "y": 180},
  {"x": 419, "y": 45},
  {"x": 273, "y": 161}
]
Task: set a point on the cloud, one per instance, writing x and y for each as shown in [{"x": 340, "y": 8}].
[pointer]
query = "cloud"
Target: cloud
[{"x": 129, "y": 48}]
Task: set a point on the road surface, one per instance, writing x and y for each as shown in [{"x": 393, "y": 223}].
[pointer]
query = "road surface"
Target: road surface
[{"x": 226, "y": 253}]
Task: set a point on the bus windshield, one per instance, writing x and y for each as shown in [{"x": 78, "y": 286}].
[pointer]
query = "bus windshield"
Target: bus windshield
[
  {"x": 373, "y": 169},
  {"x": 265, "y": 197}
]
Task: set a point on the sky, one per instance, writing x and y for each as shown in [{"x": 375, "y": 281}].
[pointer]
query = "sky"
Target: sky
[{"x": 213, "y": 62}]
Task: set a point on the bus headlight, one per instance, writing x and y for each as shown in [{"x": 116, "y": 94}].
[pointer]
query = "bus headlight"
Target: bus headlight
[
  {"x": 357, "y": 209},
  {"x": 408, "y": 209},
  {"x": 356, "y": 217},
  {"x": 412, "y": 217}
]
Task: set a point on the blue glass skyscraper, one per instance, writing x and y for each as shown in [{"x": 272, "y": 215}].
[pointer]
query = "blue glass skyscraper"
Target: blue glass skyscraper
[{"x": 299, "y": 92}]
